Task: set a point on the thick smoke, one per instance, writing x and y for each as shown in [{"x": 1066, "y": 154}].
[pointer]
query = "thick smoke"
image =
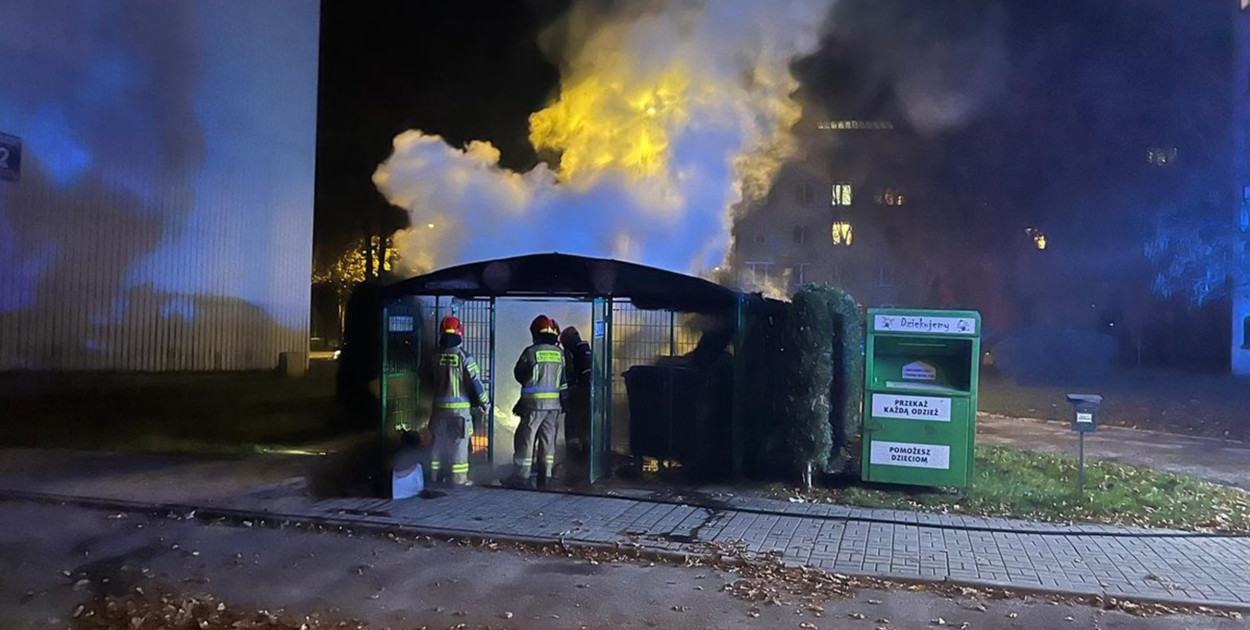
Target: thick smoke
[
  {"x": 668, "y": 116},
  {"x": 944, "y": 64}
]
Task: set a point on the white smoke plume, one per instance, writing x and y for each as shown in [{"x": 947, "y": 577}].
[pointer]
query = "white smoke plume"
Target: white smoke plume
[{"x": 668, "y": 116}]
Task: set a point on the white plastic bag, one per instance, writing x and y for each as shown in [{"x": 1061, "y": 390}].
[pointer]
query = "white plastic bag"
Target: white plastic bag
[{"x": 407, "y": 483}]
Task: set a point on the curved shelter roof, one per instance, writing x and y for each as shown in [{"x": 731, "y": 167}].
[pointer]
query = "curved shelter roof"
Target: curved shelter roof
[{"x": 564, "y": 275}]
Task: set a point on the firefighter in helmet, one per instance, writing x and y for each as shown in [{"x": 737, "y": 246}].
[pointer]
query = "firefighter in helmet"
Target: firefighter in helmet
[
  {"x": 540, "y": 371},
  {"x": 457, "y": 389},
  {"x": 577, "y": 404}
]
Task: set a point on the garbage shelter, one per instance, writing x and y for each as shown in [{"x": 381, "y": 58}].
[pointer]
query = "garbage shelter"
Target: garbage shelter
[{"x": 670, "y": 360}]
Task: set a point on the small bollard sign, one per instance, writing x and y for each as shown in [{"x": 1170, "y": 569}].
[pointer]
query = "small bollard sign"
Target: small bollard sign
[
  {"x": 1084, "y": 420},
  {"x": 1084, "y": 411}
]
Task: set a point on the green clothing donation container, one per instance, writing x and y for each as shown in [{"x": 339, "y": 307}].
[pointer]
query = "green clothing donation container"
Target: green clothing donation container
[{"x": 920, "y": 373}]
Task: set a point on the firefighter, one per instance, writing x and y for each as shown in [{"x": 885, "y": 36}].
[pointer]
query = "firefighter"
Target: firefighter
[
  {"x": 577, "y": 403},
  {"x": 457, "y": 390},
  {"x": 540, "y": 371}
]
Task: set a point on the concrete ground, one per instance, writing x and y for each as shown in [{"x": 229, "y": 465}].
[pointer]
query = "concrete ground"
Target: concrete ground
[
  {"x": 1098, "y": 560},
  {"x": 1221, "y": 461},
  {"x": 54, "y": 558}
]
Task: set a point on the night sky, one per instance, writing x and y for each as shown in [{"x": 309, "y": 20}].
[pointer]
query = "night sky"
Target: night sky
[
  {"x": 1084, "y": 87},
  {"x": 467, "y": 70}
]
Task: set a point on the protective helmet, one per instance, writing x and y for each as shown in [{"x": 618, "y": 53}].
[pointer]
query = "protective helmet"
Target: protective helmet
[
  {"x": 451, "y": 326},
  {"x": 570, "y": 337},
  {"x": 542, "y": 325}
]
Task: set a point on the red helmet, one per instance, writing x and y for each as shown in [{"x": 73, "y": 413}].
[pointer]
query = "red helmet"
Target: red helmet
[
  {"x": 451, "y": 326},
  {"x": 542, "y": 325}
]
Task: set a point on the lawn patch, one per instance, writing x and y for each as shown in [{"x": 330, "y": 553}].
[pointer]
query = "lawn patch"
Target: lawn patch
[{"x": 1042, "y": 486}]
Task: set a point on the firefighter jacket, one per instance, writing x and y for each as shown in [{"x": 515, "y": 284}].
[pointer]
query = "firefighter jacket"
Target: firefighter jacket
[
  {"x": 577, "y": 362},
  {"x": 457, "y": 381},
  {"x": 540, "y": 371}
]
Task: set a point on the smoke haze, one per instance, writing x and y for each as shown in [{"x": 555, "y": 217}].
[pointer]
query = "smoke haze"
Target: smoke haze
[{"x": 669, "y": 114}]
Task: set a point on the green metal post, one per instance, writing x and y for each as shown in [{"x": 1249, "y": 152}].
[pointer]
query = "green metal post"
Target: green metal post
[
  {"x": 490, "y": 419},
  {"x": 611, "y": 409},
  {"x": 382, "y": 374}
]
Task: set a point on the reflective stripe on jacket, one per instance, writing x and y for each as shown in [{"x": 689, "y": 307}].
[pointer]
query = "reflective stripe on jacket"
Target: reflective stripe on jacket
[
  {"x": 457, "y": 380},
  {"x": 540, "y": 371}
]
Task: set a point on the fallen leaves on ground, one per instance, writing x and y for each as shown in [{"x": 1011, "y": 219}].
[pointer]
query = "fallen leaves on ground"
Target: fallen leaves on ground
[{"x": 164, "y": 609}]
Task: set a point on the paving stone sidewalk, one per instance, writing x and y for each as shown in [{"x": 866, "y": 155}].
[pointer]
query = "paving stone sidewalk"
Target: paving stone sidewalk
[
  {"x": 1102, "y": 560},
  {"x": 1092, "y": 559}
]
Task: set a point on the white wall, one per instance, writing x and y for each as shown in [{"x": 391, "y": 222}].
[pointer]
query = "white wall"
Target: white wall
[{"x": 163, "y": 219}]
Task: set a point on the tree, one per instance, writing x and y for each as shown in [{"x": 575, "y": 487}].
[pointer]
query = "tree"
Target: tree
[
  {"x": 1197, "y": 251},
  {"x": 810, "y": 376},
  {"x": 345, "y": 269}
]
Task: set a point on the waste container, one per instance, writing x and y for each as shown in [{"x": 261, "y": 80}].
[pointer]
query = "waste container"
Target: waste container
[
  {"x": 663, "y": 411},
  {"x": 920, "y": 372}
]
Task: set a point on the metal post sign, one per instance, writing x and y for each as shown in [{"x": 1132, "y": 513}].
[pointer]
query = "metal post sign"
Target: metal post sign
[
  {"x": 1084, "y": 412},
  {"x": 10, "y": 157},
  {"x": 1084, "y": 420}
]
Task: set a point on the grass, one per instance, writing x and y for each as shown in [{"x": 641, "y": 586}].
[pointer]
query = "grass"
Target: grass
[
  {"x": 1042, "y": 486},
  {"x": 1171, "y": 401},
  {"x": 208, "y": 413}
]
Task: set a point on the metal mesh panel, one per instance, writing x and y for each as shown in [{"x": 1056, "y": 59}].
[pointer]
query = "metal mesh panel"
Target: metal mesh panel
[
  {"x": 477, "y": 315},
  {"x": 642, "y": 337},
  {"x": 400, "y": 361}
]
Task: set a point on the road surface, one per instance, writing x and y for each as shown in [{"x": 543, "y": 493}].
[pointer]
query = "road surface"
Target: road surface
[{"x": 54, "y": 558}]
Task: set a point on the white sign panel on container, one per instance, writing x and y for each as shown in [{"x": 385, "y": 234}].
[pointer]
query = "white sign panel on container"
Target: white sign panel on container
[
  {"x": 925, "y": 325},
  {"x": 919, "y": 371},
  {"x": 911, "y": 407},
  {"x": 936, "y": 456}
]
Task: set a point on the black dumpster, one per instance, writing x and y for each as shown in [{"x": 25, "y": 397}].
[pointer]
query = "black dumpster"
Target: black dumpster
[{"x": 663, "y": 411}]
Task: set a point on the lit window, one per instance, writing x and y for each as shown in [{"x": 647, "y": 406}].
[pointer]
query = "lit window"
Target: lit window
[
  {"x": 843, "y": 125},
  {"x": 842, "y": 194},
  {"x": 800, "y": 234},
  {"x": 890, "y": 197},
  {"x": 1160, "y": 156},
  {"x": 842, "y": 233},
  {"x": 804, "y": 194}
]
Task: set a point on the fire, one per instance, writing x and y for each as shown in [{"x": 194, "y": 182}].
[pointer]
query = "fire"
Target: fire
[
  {"x": 620, "y": 121},
  {"x": 670, "y": 114}
]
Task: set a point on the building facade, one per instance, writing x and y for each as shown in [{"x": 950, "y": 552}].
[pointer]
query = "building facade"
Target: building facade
[
  {"x": 156, "y": 213},
  {"x": 843, "y": 216}
]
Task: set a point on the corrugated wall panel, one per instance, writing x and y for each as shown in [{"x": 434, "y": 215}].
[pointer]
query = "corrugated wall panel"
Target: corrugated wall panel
[{"x": 164, "y": 222}]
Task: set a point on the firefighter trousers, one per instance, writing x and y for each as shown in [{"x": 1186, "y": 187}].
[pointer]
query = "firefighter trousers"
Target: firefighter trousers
[
  {"x": 535, "y": 442},
  {"x": 451, "y": 447}
]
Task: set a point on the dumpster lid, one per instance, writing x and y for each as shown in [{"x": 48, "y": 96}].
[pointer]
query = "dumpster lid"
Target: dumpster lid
[{"x": 1084, "y": 398}]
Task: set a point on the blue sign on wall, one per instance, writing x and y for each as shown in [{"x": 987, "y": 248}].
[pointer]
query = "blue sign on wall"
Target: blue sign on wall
[{"x": 10, "y": 157}]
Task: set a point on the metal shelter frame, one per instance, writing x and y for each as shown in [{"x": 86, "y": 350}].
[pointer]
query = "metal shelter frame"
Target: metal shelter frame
[{"x": 624, "y": 298}]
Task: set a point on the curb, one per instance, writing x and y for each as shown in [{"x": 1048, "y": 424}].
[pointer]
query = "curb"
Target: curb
[{"x": 380, "y": 525}]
